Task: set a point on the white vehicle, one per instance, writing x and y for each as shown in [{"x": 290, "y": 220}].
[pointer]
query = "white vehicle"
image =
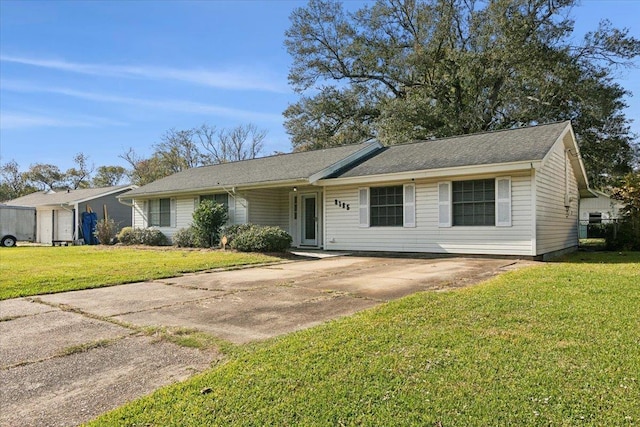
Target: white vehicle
[{"x": 17, "y": 223}]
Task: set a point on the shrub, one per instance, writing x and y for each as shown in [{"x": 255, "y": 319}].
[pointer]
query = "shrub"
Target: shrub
[
  {"x": 625, "y": 235},
  {"x": 208, "y": 219},
  {"x": 262, "y": 239},
  {"x": 184, "y": 238},
  {"x": 233, "y": 230},
  {"x": 142, "y": 236},
  {"x": 622, "y": 236},
  {"x": 153, "y": 237},
  {"x": 127, "y": 236},
  {"x": 106, "y": 231}
]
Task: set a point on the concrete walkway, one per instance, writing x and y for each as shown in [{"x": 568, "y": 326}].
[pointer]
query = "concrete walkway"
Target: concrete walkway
[{"x": 65, "y": 358}]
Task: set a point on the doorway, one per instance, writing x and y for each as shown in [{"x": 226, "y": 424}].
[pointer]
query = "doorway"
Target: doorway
[{"x": 309, "y": 214}]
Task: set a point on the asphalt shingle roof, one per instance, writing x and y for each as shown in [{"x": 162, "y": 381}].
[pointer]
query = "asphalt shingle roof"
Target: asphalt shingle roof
[
  {"x": 282, "y": 167},
  {"x": 514, "y": 145},
  {"x": 43, "y": 198}
]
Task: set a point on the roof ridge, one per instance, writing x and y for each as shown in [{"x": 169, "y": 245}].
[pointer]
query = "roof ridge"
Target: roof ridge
[
  {"x": 280, "y": 155},
  {"x": 487, "y": 132}
]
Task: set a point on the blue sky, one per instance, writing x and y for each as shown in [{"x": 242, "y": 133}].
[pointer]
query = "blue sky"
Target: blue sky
[{"x": 99, "y": 77}]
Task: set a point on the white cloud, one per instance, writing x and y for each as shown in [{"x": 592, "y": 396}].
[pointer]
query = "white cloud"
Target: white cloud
[
  {"x": 167, "y": 105},
  {"x": 237, "y": 79},
  {"x": 13, "y": 120}
]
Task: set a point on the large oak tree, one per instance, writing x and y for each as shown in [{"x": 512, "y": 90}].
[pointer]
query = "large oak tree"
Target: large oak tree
[{"x": 416, "y": 69}]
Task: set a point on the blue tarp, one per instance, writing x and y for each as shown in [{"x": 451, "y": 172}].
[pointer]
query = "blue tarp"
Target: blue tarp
[{"x": 89, "y": 221}]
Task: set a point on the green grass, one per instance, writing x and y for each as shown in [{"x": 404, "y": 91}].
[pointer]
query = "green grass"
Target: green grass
[
  {"x": 557, "y": 344},
  {"x": 26, "y": 271}
]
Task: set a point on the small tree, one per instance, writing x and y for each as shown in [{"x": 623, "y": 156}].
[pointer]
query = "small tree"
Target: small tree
[
  {"x": 208, "y": 219},
  {"x": 106, "y": 230},
  {"x": 626, "y": 235}
]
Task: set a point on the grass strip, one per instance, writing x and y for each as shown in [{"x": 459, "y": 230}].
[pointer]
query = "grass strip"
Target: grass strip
[{"x": 26, "y": 271}]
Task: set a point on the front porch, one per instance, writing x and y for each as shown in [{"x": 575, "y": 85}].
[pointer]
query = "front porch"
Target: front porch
[{"x": 297, "y": 210}]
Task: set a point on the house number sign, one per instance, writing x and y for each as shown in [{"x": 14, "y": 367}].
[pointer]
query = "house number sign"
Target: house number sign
[{"x": 343, "y": 205}]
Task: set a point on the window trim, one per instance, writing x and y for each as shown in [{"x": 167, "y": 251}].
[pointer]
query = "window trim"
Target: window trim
[
  {"x": 167, "y": 215},
  {"x": 399, "y": 219},
  {"x": 484, "y": 202}
]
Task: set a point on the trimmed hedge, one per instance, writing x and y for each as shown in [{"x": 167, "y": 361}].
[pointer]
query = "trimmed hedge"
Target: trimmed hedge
[
  {"x": 184, "y": 238},
  {"x": 142, "y": 236},
  {"x": 255, "y": 238}
]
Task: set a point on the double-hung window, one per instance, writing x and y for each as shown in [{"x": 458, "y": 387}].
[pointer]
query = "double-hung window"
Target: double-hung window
[
  {"x": 160, "y": 213},
  {"x": 392, "y": 206},
  {"x": 474, "y": 201},
  {"x": 221, "y": 199},
  {"x": 386, "y": 206},
  {"x": 478, "y": 202}
]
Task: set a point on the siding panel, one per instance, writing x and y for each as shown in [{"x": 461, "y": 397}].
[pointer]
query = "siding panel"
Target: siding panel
[
  {"x": 269, "y": 207},
  {"x": 344, "y": 233},
  {"x": 556, "y": 225}
]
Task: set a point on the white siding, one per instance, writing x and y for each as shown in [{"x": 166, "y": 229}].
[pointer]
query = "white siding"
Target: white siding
[
  {"x": 183, "y": 215},
  {"x": 184, "y": 207},
  {"x": 139, "y": 215},
  {"x": 556, "y": 225},
  {"x": 269, "y": 207},
  {"x": 343, "y": 231},
  {"x": 608, "y": 207}
]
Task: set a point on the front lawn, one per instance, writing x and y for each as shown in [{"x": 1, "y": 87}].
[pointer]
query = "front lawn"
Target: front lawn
[
  {"x": 557, "y": 344},
  {"x": 28, "y": 271}
]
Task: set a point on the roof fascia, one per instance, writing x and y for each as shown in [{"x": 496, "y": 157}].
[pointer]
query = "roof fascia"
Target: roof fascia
[
  {"x": 435, "y": 173},
  {"x": 575, "y": 157},
  {"x": 108, "y": 193},
  {"x": 369, "y": 147},
  {"x": 232, "y": 189}
]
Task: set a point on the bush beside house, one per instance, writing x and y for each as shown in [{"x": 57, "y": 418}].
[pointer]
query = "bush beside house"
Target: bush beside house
[
  {"x": 261, "y": 239},
  {"x": 625, "y": 234},
  {"x": 142, "y": 236}
]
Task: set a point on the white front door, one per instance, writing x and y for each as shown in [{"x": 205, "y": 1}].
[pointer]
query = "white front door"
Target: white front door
[{"x": 309, "y": 231}]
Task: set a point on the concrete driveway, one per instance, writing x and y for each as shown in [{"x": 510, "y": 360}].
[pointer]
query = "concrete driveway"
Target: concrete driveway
[{"x": 66, "y": 358}]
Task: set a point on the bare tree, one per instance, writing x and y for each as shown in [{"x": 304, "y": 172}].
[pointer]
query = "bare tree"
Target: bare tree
[
  {"x": 178, "y": 151},
  {"x": 240, "y": 143},
  {"x": 144, "y": 171},
  {"x": 80, "y": 176}
]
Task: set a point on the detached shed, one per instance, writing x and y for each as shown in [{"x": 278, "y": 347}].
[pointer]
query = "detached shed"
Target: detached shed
[{"x": 58, "y": 213}]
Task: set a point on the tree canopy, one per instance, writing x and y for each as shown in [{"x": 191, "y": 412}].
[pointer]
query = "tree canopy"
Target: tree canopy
[
  {"x": 417, "y": 69},
  {"x": 179, "y": 150}
]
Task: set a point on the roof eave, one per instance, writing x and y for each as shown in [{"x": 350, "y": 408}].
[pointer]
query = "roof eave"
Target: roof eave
[
  {"x": 108, "y": 193},
  {"x": 223, "y": 188},
  {"x": 496, "y": 168}
]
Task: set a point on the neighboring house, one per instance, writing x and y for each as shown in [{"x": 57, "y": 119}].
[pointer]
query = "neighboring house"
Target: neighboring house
[
  {"x": 512, "y": 192},
  {"x": 598, "y": 210},
  {"x": 58, "y": 214}
]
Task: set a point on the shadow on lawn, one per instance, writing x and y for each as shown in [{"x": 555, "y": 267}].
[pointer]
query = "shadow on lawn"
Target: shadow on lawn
[{"x": 600, "y": 257}]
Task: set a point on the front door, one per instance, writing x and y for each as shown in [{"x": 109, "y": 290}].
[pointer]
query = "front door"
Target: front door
[{"x": 309, "y": 220}]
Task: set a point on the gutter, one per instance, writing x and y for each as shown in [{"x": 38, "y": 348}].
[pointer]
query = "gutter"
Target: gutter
[{"x": 434, "y": 173}]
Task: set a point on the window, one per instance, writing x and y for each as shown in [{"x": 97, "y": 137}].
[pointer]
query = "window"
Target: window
[
  {"x": 160, "y": 213},
  {"x": 386, "y": 205},
  {"x": 473, "y": 202},
  {"x": 595, "y": 217},
  {"x": 222, "y": 199}
]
